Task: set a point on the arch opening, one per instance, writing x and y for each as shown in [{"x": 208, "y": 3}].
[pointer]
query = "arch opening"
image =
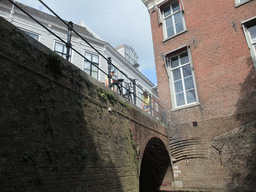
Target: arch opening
[{"x": 156, "y": 171}]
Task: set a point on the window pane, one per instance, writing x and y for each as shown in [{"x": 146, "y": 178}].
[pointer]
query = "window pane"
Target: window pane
[
  {"x": 177, "y": 17},
  {"x": 170, "y": 31},
  {"x": 36, "y": 37},
  {"x": 167, "y": 11},
  {"x": 189, "y": 84},
  {"x": 94, "y": 68},
  {"x": 87, "y": 65},
  {"x": 186, "y": 70},
  {"x": 184, "y": 58},
  {"x": 95, "y": 75},
  {"x": 174, "y": 62},
  {"x": 179, "y": 27},
  {"x": 65, "y": 49},
  {"x": 175, "y": 6},
  {"x": 58, "y": 47},
  {"x": 180, "y": 99},
  {"x": 252, "y": 31},
  {"x": 178, "y": 86},
  {"x": 176, "y": 74},
  {"x": 169, "y": 22},
  {"x": 191, "y": 96},
  {"x": 88, "y": 56},
  {"x": 95, "y": 58},
  {"x": 87, "y": 71}
]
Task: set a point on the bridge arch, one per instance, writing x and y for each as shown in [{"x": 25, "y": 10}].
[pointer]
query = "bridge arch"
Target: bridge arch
[{"x": 156, "y": 173}]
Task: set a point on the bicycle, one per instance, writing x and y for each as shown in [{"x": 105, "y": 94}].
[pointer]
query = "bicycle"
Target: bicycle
[{"x": 128, "y": 93}]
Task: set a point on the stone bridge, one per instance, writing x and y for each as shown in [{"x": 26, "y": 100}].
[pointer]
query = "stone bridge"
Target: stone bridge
[{"x": 61, "y": 130}]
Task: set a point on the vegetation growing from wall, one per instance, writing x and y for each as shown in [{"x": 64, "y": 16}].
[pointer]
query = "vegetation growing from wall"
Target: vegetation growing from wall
[{"x": 55, "y": 126}]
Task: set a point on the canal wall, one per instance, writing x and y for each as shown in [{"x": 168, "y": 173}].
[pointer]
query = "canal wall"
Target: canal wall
[{"x": 61, "y": 130}]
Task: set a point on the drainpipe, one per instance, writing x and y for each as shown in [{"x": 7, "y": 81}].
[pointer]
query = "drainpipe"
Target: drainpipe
[
  {"x": 10, "y": 19},
  {"x": 68, "y": 45},
  {"x": 109, "y": 71}
]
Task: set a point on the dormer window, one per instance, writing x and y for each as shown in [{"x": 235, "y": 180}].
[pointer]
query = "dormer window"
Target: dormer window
[{"x": 130, "y": 55}]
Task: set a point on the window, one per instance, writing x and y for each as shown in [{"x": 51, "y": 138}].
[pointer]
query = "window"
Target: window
[
  {"x": 33, "y": 35},
  {"x": 181, "y": 79},
  {"x": 130, "y": 55},
  {"x": 250, "y": 34},
  {"x": 157, "y": 107},
  {"x": 173, "y": 19},
  {"x": 61, "y": 50},
  {"x": 89, "y": 68}
]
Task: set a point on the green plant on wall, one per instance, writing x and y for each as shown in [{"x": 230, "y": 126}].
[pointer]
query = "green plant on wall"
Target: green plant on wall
[{"x": 111, "y": 98}]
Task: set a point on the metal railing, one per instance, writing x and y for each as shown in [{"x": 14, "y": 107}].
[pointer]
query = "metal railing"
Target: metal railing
[{"x": 69, "y": 47}]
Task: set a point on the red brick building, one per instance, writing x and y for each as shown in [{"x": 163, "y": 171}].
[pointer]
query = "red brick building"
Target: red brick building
[{"x": 205, "y": 54}]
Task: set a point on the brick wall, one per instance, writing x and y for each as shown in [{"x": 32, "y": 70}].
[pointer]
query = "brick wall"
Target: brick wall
[
  {"x": 225, "y": 79},
  {"x": 61, "y": 130}
]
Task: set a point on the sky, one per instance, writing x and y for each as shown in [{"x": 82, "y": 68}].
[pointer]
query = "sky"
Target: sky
[{"x": 117, "y": 22}]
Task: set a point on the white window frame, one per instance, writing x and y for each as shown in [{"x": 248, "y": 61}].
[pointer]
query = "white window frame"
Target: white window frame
[
  {"x": 251, "y": 42},
  {"x": 171, "y": 80},
  {"x": 163, "y": 18},
  {"x": 156, "y": 107},
  {"x": 240, "y": 2},
  {"x": 32, "y": 34},
  {"x": 62, "y": 54},
  {"x": 90, "y": 70},
  {"x": 130, "y": 55}
]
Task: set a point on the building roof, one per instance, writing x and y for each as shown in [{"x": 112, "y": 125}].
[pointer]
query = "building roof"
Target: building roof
[{"x": 50, "y": 18}]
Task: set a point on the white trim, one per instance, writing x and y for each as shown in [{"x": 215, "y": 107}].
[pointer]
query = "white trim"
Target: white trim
[
  {"x": 176, "y": 50},
  {"x": 166, "y": 37},
  {"x": 171, "y": 82},
  {"x": 248, "y": 38},
  {"x": 60, "y": 42},
  {"x": 31, "y": 32},
  {"x": 95, "y": 54},
  {"x": 238, "y": 3},
  {"x": 248, "y": 20}
]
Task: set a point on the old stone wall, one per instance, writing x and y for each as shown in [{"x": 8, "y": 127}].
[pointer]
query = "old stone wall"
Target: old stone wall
[{"x": 61, "y": 130}]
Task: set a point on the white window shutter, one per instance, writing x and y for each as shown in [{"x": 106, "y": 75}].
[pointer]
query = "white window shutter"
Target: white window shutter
[
  {"x": 159, "y": 16},
  {"x": 190, "y": 58},
  {"x": 166, "y": 67},
  {"x": 181, "y": 5}
]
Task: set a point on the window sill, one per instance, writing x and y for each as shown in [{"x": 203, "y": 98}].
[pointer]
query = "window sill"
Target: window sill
[
  {"x": 175, "y": 35},
  {"x": 239, "y": 4},
  {"x": 185, "y": 107}
]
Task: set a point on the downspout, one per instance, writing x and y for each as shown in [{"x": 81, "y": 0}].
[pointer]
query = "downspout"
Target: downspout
[{"x": 10, "y": 19}]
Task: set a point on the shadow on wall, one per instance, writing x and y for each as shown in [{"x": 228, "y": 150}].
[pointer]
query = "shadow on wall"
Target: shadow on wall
[
  {"x": 243, "y": 160},
  {"x": 155, "y": 167},
  {"x": 48, "y": 132}
]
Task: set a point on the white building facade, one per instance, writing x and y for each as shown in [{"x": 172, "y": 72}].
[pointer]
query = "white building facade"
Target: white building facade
[{"x": 124, "y": 57}]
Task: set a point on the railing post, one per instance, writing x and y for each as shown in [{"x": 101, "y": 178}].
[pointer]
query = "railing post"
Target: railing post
[
  {"x": 68, "y": 45},
  {"x": 109, "y": 71},
  {"x": 134, "y": 91}
]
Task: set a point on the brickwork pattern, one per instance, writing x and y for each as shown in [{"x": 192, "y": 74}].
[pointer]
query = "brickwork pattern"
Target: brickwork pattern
[{"x": 225, "y": 79}]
